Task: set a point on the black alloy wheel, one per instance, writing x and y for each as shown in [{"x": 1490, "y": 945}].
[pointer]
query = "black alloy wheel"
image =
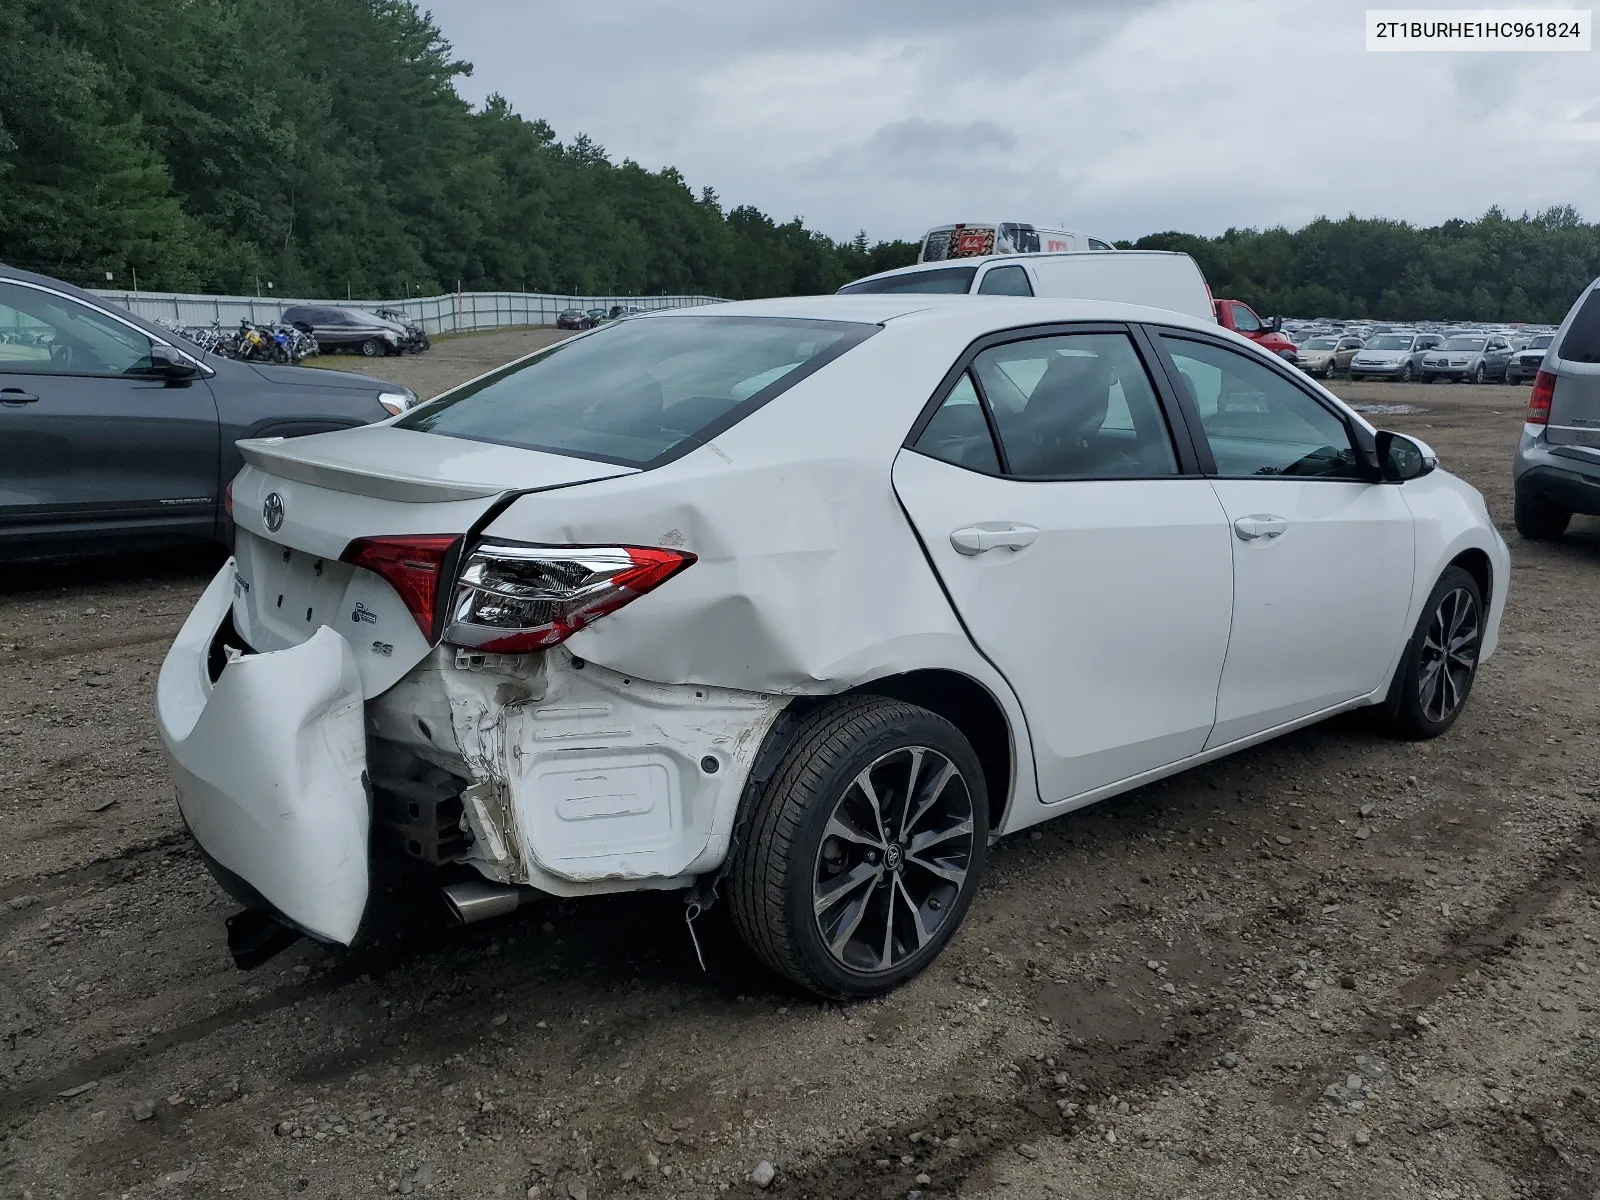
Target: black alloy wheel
[
  {"x": 863, "y": 848},
  {"x": 1441, "y": 659}
]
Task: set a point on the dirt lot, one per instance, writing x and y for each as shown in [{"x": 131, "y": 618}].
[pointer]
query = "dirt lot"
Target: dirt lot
[{"x": 1332, "y": 964}]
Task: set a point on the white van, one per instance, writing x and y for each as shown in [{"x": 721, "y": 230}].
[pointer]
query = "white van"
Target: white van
[
  {"x": 1157, "y": 278},
  {"x": 978, "y": 239}
]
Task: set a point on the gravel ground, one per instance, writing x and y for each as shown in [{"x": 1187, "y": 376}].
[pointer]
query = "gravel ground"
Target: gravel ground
[{"x": 1335, "y": 963}]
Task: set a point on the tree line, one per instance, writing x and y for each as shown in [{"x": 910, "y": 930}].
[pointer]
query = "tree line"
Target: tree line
[
  {"x": 209, "y": 145},
  {"x": 212, "y": 145},
  {"x": 1497, "y": 268}
]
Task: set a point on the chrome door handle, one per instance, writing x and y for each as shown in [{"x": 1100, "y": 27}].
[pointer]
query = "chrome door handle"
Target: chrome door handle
[
  {"x": 975, "y": 539},
  {"x": 1251, "y": 528}
]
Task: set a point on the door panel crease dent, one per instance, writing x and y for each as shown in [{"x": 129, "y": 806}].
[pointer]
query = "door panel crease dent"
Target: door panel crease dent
[{"x": 578, "y": 778}]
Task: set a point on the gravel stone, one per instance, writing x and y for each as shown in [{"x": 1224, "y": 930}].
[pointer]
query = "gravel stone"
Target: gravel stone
[{"x": 764, "y": 1174}]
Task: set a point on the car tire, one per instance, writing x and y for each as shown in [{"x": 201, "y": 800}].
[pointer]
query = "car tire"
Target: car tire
[
  {"x": 1537, "y": 519},
  {"x": 789, "y": 876},
  {"x": 371, "y": 348},
  {"x": 1406, "y": 373},
  {"x": 1480, "y": 374},
  {"x": 1426, "y": 378},
  {"x": 1435, "y": 676},
  {"x": 1354, "y": 378}
]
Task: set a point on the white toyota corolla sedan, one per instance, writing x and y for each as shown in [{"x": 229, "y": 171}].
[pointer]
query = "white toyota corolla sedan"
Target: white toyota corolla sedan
[{"x": 800, "y": 602}]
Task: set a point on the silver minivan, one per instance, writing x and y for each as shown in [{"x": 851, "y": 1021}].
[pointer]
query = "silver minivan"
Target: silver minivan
[{"x": 1557, "y": 470}]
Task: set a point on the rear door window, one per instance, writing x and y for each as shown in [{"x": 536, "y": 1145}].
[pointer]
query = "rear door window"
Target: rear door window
[
  {"x": 1006, "y": 281},
  {"x": 1582, "y": 340},
  {"x": 640, "y": 393},
  {"x": 1075, "y": 406},
  {"x": 959, "y": 433}
]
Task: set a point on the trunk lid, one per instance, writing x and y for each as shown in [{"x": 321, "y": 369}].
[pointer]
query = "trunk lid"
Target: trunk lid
[
  {"x": 299, "y": 504},
  {"x": 1574, "y": 359}
]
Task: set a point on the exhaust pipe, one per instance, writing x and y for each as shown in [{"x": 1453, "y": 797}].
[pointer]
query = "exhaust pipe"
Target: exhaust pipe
[{"x": 479, "y": 900}]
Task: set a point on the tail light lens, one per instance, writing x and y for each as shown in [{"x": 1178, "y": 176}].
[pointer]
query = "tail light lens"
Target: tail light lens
[
  {"x": 227, "y": 499},
  {"x": 513, "y": 598},
  {"x": 414, "y": 566},
  {"x": 1544, "y": 389}
]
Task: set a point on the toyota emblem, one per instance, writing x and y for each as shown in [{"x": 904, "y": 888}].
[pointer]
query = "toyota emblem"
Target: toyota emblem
[{"x": 272, "y": 512}]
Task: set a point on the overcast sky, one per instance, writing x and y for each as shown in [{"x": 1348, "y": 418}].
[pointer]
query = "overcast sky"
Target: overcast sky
[{"x": 1122, "y": 118}]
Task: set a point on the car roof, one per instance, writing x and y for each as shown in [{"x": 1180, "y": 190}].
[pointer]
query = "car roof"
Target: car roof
[
  {"x": 979, "y": 260},
  {"x": 969, "y": 316}
]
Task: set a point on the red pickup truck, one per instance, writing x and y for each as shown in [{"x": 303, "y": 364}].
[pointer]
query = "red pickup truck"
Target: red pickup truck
[{"x": 1241, "y": 318}]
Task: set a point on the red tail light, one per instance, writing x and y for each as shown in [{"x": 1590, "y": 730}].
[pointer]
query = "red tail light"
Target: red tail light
[
  {"x": 1544, "y": 389},
  {"x": 227, "y": 499},
  {"x": 513, "y": 598},
  {"x": 413, "y": 565}
]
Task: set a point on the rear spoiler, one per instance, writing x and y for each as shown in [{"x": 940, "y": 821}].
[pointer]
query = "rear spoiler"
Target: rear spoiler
[{"x": 296, "y": 459}]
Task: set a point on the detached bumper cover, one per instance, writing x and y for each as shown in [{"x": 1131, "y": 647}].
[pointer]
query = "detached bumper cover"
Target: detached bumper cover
[{"x": 269, "y": 762}]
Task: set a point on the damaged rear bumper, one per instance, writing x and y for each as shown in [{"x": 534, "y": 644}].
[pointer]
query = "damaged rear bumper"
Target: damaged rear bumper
[{"x": 268, "y": 756}]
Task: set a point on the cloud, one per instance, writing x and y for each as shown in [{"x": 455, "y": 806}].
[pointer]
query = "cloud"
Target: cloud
[
  {"x": 1120, "y": 118},
  {"x": 918, "y": 150}
]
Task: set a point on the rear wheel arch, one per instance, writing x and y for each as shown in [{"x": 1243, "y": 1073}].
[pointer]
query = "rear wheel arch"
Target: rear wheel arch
[{"x": 971, "y": 708}]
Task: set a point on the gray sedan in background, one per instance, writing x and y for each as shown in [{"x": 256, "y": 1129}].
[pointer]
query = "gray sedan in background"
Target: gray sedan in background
[
  {"x": 117, "y": 434},
  {"x": 1478, "y": 357},
  {"x": 1393, "y": 356}
]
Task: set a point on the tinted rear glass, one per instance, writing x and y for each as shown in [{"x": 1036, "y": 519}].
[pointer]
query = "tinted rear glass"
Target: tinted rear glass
[
  {"x": 947, "y": 281},
  {"x": 640, "y": 392},
  {"x": 1582, "y": 340}
]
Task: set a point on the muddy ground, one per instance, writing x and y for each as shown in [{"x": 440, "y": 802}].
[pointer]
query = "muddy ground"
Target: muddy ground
[{"x": 1333, "y": 964}]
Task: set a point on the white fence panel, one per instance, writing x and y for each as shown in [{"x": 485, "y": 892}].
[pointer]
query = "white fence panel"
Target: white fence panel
[{"x": 457, "y": 312}]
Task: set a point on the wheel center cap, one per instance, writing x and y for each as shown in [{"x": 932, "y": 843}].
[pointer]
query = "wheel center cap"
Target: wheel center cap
[{"x": 893, "y": 856}]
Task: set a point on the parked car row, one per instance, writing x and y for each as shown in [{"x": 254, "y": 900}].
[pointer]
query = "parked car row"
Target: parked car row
[
  {"x": 588, "y": 318},
  {"x": 1404, "y": 355}
]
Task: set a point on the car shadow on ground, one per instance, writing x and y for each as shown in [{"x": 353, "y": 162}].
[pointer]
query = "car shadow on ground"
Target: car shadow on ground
[{"x": 176, "y": 564}]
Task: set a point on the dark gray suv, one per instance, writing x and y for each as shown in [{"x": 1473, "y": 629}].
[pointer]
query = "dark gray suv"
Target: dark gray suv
[
  {"x": 1557, "y": 470},
  {"x": 116, "y": 433}
]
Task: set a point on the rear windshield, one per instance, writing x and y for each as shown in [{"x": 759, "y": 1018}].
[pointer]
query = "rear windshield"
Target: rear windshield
[
  {"x": 1390, "y": 341},
  {"x": 639, "y": 392},
  {"x": 947, "y": 281},
  {"x": 1582, "y": 340},
  {"x": 1465, "y": 344}
]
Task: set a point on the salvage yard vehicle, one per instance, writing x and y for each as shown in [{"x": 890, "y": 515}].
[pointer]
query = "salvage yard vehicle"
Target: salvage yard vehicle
[
  {"x": 982, "y": 238},
  {"x": 1396, "y": 356},
  {"x": 1478, "y": 357},
  {"x": 116, "y": 433},
  {"x": 1159, "y": 278},
  {"x": 1315, "y": 356},
  {"x": 1241, "y": 318},
  {"x": 1557, "y": 468},
  {"x": 1525, "y": 363},
  {"x": 800, "y": 603},
  {"x": 340, "y": 328}
]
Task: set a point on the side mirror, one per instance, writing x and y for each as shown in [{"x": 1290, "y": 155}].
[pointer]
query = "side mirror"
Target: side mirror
[
  {"x": 1277, "y": 324},
  {"x": 1403, "y": 457},
  {"x": 168, "y": 364}
]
